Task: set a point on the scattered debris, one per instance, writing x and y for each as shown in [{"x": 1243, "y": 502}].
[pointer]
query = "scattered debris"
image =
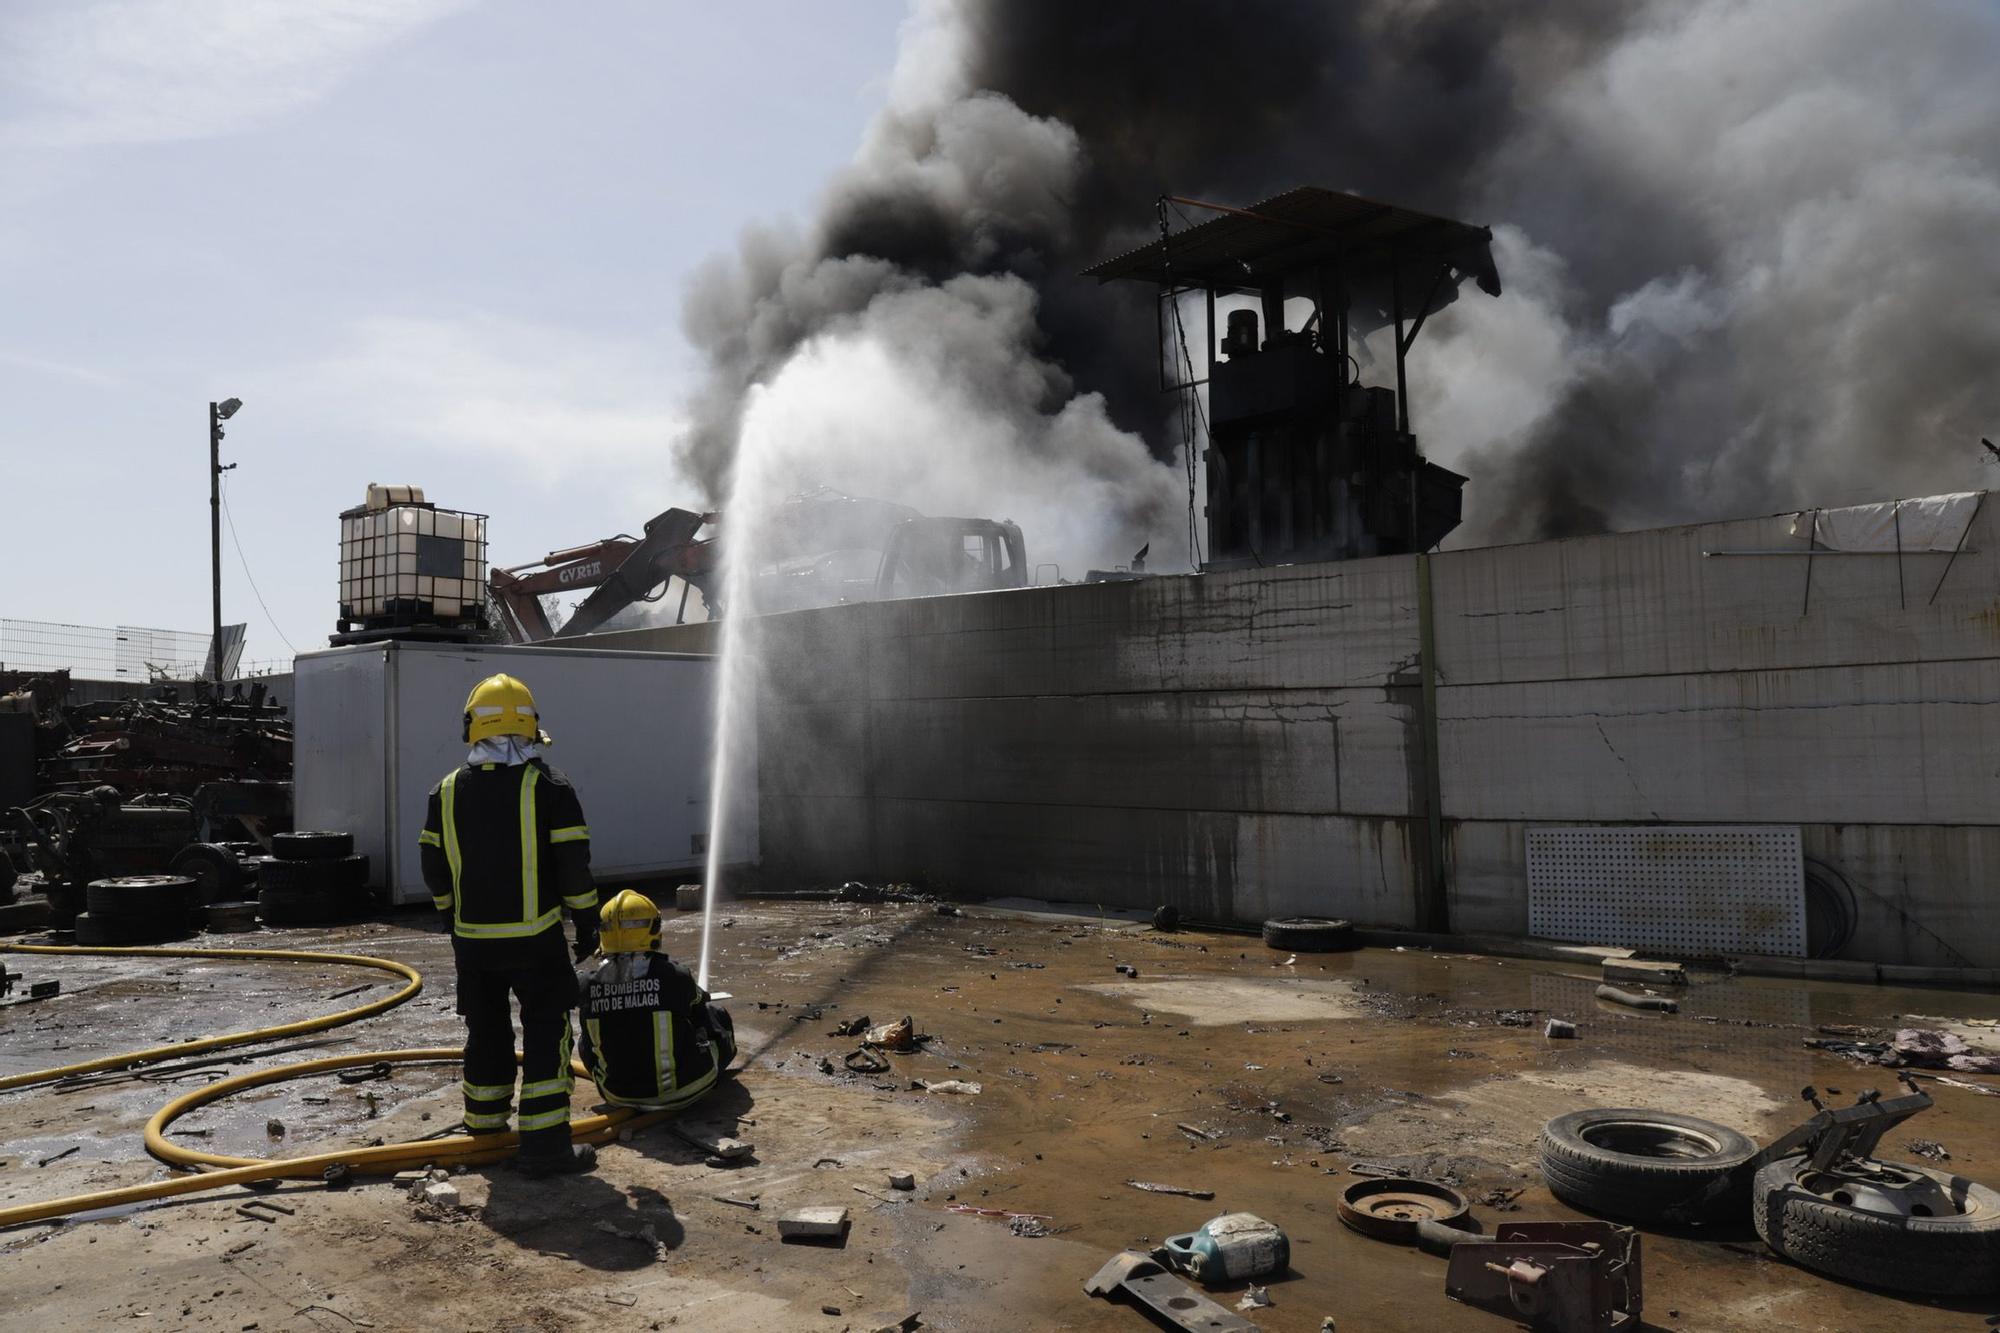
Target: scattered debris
[
  {"x": 645, "y": 1235},
  {"x": 1928, "y": 1149},
  {"x": 902, "y": 1180},
  {"x": 1920, "y": 1048},
  {"x": 1141, "y": 1280},
  {"x": 1254, "y": 1297},
  {"x": 1634, "y": 1000},
  {"x": 1515, "y": 1018},
  {"x": 1152, "y": 1188},
  {"x": 59, "y": 1156},
  {"x": 909, "y": 1323},
  {"x": 1126, "y": 970},
  {"x": 275, "y": 1128},
  {"x": 1645, "y": 971},
  {"x": 750, "y": 1203},
  {"x": 853, "y": 1027},
  {"x": 900, "y": 1035},
  {"x": 443, "y": 1194},
  {"x": 1502, "y": 1199},
  {"x": 1559, "y": 1029},
  {"x": 1196, "y": 1132},
  {"x": 813, "y": 1224},
  {"x": 952, "y": 1086},
  {"x": 1229, "y": 1248},
  {"x": 1029, "y": 1227},
  {"x": 974, "y": 1210},
  {"x": 1577, "y": 1277}
]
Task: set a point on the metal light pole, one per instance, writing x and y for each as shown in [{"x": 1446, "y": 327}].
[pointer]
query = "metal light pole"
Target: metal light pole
[{"x": 217, "y": 414}]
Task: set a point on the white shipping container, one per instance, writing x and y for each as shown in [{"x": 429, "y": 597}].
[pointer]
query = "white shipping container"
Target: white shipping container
[{"x": 377, "y": 725}]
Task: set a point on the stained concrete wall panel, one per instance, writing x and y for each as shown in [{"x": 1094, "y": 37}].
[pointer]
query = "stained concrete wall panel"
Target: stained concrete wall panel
[
  {"x": 1489, "y": 876},
  {"x": 1212, "y": 865},
  {"x": 1911, "y": 743},
  {"x": 1650, "y": 603},
  {"x": 1292, "y": 752},
  {"x": 1925, "y": 895}
]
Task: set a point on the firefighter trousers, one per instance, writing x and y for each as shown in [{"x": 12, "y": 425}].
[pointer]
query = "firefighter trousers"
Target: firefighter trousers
[{"x": 546, "y": 992}]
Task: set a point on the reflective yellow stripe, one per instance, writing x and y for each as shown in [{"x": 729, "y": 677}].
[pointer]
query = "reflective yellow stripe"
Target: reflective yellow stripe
[
  {"x": 580, "y": 902},
  {"x": 442, "y": 902},
  {"x": 679, "y": 1098},
  {"x": 481, "y": 1121},
  {"x": 473, "y": 930},
  {"x": 663, "y": 1050},
  {"x": 429, "y": 839},
  {"x": 531, "y": 845},
  {"x": 598, "y": 1073},
  {"x": 488, "y": 1092},
  {"x": 574, "y": 833},
  {"x": 546, "y": 1087},
  {"x": 546, "y": 1120},
  {"x": 450, "y": 805}
]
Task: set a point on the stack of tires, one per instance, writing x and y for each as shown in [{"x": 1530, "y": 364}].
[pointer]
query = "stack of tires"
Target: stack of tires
[
  {"x": 138, "y": 909},
  {"x": 223, "y": 878},
  {"x": 312, "y": 879}
]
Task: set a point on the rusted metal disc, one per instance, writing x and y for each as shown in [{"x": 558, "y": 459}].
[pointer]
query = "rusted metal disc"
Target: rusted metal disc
[{"x": 1391, "y": 1209}]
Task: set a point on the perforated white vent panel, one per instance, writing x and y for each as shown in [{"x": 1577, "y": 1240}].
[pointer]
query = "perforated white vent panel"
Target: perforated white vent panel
[{"x": 1686, "y": 891}]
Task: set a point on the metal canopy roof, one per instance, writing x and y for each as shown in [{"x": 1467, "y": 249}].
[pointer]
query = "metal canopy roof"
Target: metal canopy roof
[{"x": 1305, "y": 227}]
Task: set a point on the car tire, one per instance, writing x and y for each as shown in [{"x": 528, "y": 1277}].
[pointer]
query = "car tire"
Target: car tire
[
  {"x": 332, "y": 874},
  {"x": 1934, "y": 1256},
  {"x": 1309, "y": 934},
  {"x": 215, "y": 870},
  {"x": 1647, "y": 1166},
  {"x": 141, "y": 896},
  {"x": 311, "y": 846}
]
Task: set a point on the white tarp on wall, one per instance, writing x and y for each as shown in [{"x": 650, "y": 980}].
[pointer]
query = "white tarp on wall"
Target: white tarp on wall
[{"x": 1931, "y": 523}]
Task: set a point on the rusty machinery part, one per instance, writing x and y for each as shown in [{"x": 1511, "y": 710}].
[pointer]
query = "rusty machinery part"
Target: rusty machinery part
[
  {"x": 1423, "y": 1213},
  {"x": 1563, "y": 1277},
  {"x": 331, "y": 1168},
  {"x": 1647, "y": 1166},
  {"x": 414, "y": 987},
  {"x": 1882, "y": 1224},
  {"x": 216, "y": 871},
  {"x": 1142, "y": 1280},
  {"x": 1309, "y": 934},
  {"x": 311, "y": 845}
]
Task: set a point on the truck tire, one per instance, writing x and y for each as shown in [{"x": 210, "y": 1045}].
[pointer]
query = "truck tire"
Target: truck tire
[
  {"x": 311, "y": 846},
  {"x": 332, "y": 874},
  {"x": 310, "y": 907},
  {"x": 217, "y": 874},
  {"x": 1955, "y": 1255},
  {"x": 141, "y": 896},
  {"x": 1647, "y": 1166},
  {"x": 94, "y": 931},
  {"x": 1309, "y": 934}
]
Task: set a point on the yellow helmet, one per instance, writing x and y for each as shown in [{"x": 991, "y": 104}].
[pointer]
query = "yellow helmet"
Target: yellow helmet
[
  {"x": 500, "y": 706},
  {"x": 630, "y": 923}
]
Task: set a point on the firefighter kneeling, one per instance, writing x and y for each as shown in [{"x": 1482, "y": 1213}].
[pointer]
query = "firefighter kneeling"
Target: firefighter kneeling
[{"x": 650, "y": 1036}]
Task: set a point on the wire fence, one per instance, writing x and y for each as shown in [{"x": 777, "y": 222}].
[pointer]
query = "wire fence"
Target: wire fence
[{"x": 92, "y": 652}]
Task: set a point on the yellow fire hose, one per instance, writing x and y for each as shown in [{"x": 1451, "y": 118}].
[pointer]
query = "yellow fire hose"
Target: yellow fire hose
[
  {"x": 386, "y": 1159},
  {"x": 373, "y": 1007}
]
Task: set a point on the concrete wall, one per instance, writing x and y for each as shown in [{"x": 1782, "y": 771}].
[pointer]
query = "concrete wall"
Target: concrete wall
[{"x": 1249, "y": 744}]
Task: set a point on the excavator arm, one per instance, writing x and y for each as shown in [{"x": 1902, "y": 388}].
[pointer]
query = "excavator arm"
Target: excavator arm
[{"x": 619, "y": 571}]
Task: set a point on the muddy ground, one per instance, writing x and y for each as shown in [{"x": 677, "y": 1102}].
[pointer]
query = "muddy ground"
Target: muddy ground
[{"x": 1298, "y": 1067}]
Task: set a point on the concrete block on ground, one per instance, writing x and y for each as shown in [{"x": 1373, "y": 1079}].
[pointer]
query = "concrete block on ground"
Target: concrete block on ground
[{"x": 1647, "y": 971}]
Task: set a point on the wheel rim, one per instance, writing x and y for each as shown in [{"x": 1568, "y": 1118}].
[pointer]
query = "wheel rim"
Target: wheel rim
[
  {"x": 1650, "y": 1138},
  {"x": 1886, "y": 1188}
]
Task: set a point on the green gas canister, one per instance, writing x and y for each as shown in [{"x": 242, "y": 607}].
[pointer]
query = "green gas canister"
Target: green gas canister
[{"x": 1229, "y": 1248}]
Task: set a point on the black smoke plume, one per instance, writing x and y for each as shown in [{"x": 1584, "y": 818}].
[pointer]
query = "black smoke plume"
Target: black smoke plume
[{"x": 1749, "y": 248}]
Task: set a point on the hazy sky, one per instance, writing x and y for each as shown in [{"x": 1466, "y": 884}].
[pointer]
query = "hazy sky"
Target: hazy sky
[{"x": 430, "y": 241}]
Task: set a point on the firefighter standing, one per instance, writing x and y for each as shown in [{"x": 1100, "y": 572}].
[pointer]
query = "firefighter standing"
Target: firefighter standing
[
  {"x": 650, "y": 1036},
  {"x": 504, "y": 850}
]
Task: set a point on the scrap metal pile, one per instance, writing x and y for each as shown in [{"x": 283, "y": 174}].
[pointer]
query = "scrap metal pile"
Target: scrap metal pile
[{"x": 168, "y": 745}]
